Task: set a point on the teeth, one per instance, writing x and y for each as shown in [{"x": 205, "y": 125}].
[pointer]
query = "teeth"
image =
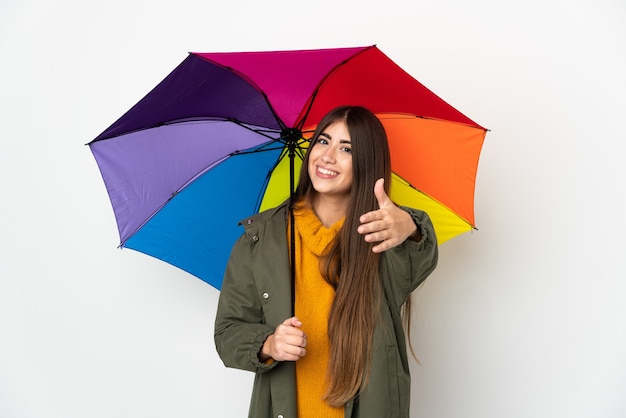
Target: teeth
[{"x": 327, "y": 172}]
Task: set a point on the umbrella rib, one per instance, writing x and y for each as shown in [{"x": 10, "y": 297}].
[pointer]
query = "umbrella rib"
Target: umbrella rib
[
  {"x": 263, "y": 132},
  {"x": 253, "y": 151},
  {"x": 252, "y": 83}
]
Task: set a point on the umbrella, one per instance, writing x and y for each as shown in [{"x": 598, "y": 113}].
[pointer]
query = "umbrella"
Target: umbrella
[{"x": 223, "y": 135}]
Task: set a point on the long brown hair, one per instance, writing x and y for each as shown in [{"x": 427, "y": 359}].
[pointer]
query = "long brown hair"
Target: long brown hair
[{"x": 348, "y": 262}]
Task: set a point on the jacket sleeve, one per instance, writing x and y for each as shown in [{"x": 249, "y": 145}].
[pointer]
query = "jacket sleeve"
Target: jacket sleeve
[
  {"x": 411, "y": 262},
  {"x": 240, "y": 330}
]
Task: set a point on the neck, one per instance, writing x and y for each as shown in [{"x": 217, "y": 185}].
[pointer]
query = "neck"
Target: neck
[{"x": 329, "y": 210}]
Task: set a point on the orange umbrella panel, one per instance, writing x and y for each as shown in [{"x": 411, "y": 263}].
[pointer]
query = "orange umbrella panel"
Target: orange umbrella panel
[
  {"x": 438, "y": 158},
  {"x": 434, "y": 165}
]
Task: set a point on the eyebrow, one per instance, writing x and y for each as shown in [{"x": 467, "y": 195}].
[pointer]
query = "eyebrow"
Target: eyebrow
[{"x": 343, "y": 141}]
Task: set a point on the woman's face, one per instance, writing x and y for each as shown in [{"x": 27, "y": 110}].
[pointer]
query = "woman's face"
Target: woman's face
[{"x": 330, "y": 161}]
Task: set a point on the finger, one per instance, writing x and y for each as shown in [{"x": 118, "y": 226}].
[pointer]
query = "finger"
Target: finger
[
  {"x": 383, "y": 246},
  {"x": 295, "y": 355},
  {"x": 286, "y": 347},
  {"x": 291, "y": 354},
  {"x": 383, "y": 202},
  {"x": 290, "y": 348},
  {"x": 368, "y": 217},
  {"x": 290, "y": 331},
  {"x": 294, "y": 340},
  {"x": 381, "y": 196},
  {"x": 374, "y": 235},
  {"x": 292, "y": 322},
  {"x": 367, "y": 227},
  {"x": 289, "y": 334}
]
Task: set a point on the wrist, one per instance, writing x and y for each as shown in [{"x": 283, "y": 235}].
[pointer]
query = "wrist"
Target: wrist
[
  {"x": 264, "y": 354},
  {"x": 416, "y": 235}
]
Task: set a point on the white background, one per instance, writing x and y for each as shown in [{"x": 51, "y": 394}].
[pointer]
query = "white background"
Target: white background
[{"x": 524, "y": 318}]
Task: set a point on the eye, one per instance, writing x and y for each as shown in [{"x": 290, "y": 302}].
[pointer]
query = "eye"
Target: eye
[
  {"x": 346, "y": 149},
  {"x": 321, "y": 140}
]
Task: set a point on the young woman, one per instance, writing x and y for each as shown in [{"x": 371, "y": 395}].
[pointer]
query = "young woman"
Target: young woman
[{"x": 358, "y": 258}]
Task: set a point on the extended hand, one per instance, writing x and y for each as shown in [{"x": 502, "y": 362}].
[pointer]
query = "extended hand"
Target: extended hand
[{"x": 389, "y": 225}]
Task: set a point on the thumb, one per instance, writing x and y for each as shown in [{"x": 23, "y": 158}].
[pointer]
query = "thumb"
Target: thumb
[
  {"x": 379, "y": 192},
  {"x": 292, "y": 322}
]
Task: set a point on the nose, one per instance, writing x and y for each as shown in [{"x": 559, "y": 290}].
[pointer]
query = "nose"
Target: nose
[{"x": 328, "y": 156}]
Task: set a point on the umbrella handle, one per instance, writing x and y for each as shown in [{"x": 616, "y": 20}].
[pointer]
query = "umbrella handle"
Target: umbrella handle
[{"x": 292, "y": 136}]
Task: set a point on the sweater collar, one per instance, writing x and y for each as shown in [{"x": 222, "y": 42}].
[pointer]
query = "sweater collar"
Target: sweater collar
[{"x": 314, "y": 235}]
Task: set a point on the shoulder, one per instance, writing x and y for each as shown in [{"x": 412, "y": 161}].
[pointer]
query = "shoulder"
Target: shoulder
[
  {"x": 270, "y": 215},
  {"x": 263, "y": 237},
  {"x": 267, "y": 223}
]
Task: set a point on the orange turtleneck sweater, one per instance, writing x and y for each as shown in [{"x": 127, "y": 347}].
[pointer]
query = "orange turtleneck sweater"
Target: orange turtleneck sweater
[{"x": 314, "y": 297}]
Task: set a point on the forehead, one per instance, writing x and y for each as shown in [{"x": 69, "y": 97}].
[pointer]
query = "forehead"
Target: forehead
[{"x": 336, "y": 130}]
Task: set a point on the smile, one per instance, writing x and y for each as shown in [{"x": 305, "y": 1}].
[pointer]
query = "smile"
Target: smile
[{"x": 326, "y": 172}]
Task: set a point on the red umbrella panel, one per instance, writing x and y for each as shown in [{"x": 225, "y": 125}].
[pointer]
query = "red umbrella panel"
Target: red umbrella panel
[{"x": 208, "y": 146}]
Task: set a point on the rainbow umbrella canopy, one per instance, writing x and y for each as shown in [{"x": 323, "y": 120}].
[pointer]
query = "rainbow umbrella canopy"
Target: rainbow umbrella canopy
[{"x": 223, "y": 136}]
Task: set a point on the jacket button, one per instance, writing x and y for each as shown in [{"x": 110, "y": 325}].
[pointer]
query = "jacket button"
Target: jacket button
[
  {"x": 279, "y": 416},
  {"x": 249, "y": 222},
  {"x": 255, "y": 238},
  {"x": 266, "y": 295}
]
